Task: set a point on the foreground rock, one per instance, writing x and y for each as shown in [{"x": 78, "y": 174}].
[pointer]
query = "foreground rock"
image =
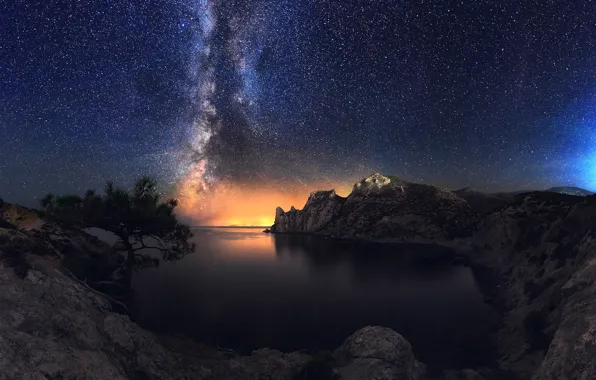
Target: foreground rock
[
  {"x": 543, "y": 247},
  {"x": 378, "y": 353},
  {"x": 381, "y": 207},
  {"x": 54, "y": 328}
]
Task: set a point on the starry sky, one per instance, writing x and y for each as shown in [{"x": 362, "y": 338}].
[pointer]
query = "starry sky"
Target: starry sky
[{"x": 224, "y": 100}]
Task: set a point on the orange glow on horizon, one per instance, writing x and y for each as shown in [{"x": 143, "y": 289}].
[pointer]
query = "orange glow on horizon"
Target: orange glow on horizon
[{"x": 243, "y": 204}]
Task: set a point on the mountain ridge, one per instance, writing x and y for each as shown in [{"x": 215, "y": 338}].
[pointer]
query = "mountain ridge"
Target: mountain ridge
[{"x": 381, "y": 207}]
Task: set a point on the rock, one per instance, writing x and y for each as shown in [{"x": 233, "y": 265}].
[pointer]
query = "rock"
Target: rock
[
  {"x": 381, "y": 207},
  {"x": 543, "y": 245},
  {"x": 119, "y": 246},
  {"x": 266, "y": 363},
  {"x": 320, "y": 209},
  {"x": 377, "y": 353},
  {"x": 571, "y": 353},
  {"x": 117, "y": 328},
  {"x": 52, "y": 327},
  {"x": 47, "y": 329}
]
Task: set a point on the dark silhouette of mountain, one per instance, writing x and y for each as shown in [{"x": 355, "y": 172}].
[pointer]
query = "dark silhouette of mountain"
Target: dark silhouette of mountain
[
  {"x": 570, "y": 190},
  {"x": 486, "y": 202},
  {"x": 482, "y": 202}
]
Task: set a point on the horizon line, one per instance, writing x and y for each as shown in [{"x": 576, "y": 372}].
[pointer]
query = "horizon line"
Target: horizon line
[{"x": 230, "y": 226}]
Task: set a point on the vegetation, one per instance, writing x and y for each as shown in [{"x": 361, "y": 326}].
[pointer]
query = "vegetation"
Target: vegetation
[{"x": 138, "y": 217}]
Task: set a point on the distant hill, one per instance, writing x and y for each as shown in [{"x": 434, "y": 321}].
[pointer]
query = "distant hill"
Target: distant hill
[
  {"x": 570, "y": 190},
  {"x": 485, "y": 202}
]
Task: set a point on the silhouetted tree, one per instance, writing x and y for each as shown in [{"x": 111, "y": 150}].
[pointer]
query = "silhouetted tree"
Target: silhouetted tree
[
  {"x": 137, "y": 217},
  {"x": 66, "y": 208}
]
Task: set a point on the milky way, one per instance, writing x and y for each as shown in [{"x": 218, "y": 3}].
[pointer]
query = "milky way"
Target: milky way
[{"x": 244, "y": 96}]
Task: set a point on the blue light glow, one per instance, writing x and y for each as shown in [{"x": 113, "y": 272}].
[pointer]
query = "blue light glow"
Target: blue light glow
[{"x": 585, "y": 147}]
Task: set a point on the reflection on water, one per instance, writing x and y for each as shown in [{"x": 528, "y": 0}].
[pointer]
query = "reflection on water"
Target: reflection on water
[
  {"x": 244, "y": 244},
  {"x": 245, "y": 289}
]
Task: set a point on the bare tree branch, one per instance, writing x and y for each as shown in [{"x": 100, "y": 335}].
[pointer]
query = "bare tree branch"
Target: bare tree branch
[{"x": 145, "y": 246}]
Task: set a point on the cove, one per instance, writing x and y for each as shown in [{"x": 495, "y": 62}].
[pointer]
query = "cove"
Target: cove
[{"x": 243, "y": 289}]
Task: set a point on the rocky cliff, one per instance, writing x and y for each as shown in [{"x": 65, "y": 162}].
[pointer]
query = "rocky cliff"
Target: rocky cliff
[
  {"x": 322, "y": 208},
  {"x": 543, "y": 247},
  {"x": 382, "y": 207}
]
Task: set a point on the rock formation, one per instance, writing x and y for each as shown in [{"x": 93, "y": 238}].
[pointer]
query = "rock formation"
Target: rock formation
[
  {"x": 377, "y": 353},
  {"x": 381, "y": 207},
  {"x": 321, "y": 208},
  {"x": 543, "y": 246}
]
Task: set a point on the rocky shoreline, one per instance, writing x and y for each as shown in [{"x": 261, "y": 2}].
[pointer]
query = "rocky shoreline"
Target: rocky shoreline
[
  {"x": 533, "y": 254},
  {"x": 535, "y": 259},
  {"x": 55, "y": 325}
]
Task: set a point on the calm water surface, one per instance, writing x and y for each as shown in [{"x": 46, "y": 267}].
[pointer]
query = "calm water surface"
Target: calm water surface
[{"x": 244, "y": 289}]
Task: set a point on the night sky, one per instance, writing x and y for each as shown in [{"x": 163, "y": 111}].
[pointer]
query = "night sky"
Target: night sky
[{"x": 242, "y": 96}]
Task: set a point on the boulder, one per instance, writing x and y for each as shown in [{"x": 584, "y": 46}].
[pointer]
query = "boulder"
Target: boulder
[{"x": 376, "y": 352}]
